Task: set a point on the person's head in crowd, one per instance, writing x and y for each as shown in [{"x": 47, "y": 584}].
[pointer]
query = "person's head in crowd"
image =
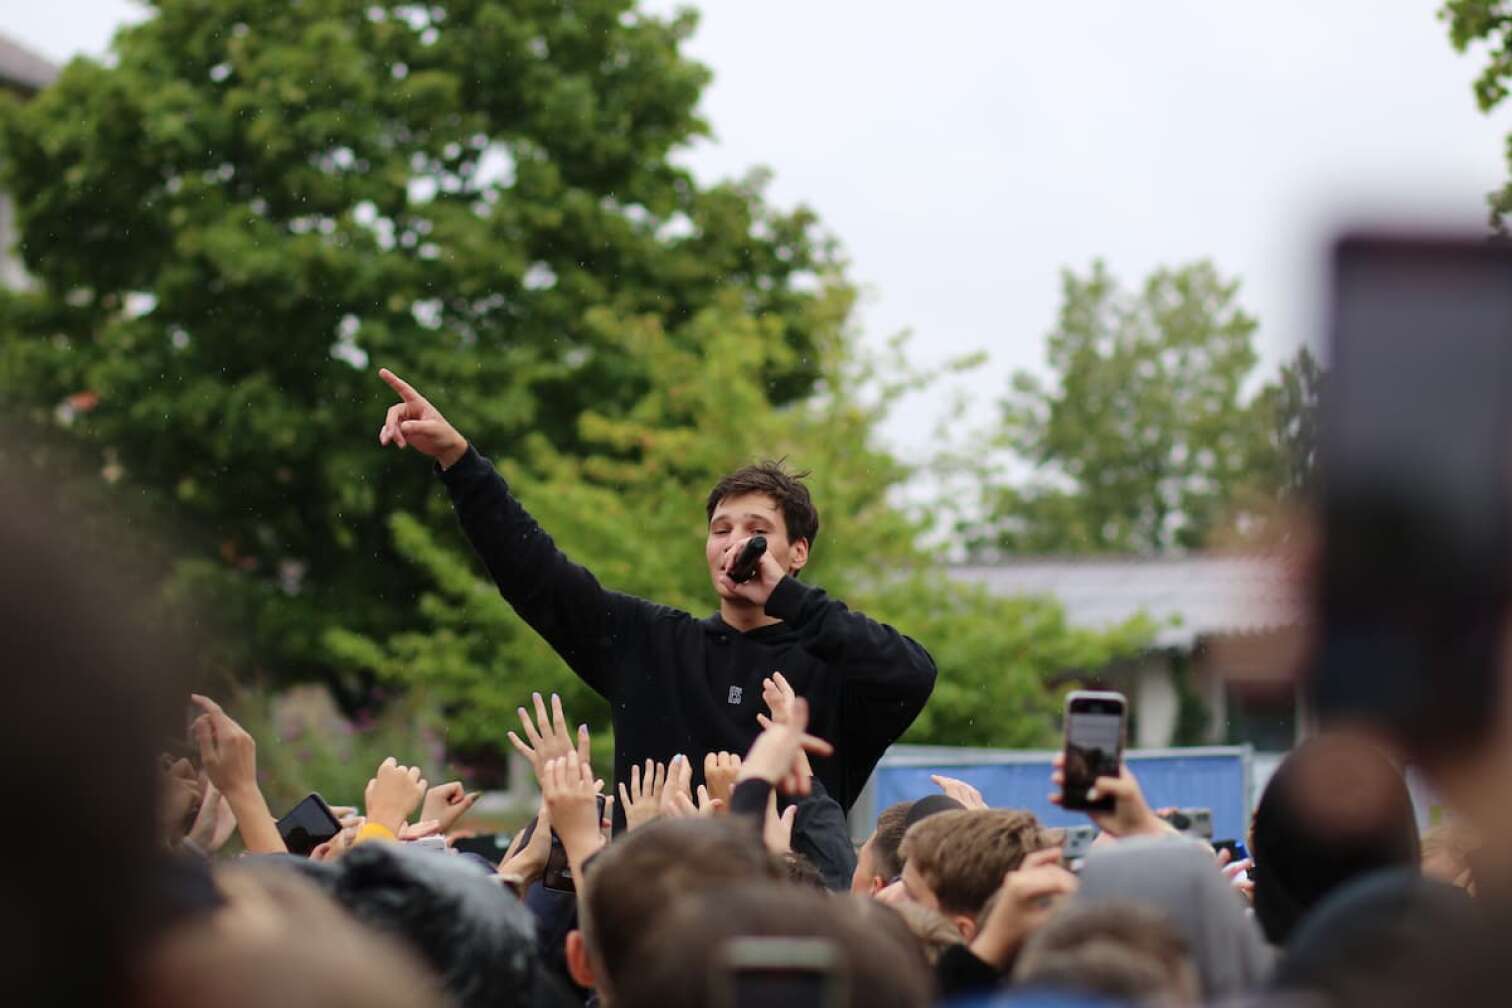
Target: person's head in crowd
[
  {"x": 1335, "y": 809},
  {"x": 877, "y": 862},
  {"x": 876, "y": 962},
  {"x": 1121, "y": 951},
  {"x": 764, "y": 499},
  {"x": 934, "y": 932},
  {"x": 1382, "y": 939},
  {"x": 1179, "y": 879},
  {"x": 89, "y": 701},
  {"x": 954, "y": 861},
  {"x": 1447, "y": 852},
  {"x": 279, "y": 942},
  {"x": 800, "y": 869},
  {"x": 632, "y": 882},
  {"x": 476, "y": 937}
]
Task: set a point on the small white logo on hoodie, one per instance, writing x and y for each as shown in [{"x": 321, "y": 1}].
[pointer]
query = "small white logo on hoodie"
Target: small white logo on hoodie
[{"x": 735, "y": 694}]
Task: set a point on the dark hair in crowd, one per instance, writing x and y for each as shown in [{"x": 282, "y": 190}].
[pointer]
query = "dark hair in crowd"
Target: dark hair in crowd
[
  {"x": 1335, "y": 810},
  {"x": 881, "y": 961},
  {"x": 786, "y": 488},
  {"x": 892, "y": 824}
]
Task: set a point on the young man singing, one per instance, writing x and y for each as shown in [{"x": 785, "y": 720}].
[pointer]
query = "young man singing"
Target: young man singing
[{"x": 678, "y": 685}]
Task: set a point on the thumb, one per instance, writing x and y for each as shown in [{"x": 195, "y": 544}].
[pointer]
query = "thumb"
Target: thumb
[{"x": 789, "y": 817}]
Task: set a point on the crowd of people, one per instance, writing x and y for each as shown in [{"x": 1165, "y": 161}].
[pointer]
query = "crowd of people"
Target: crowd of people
[
  {"x": 713, "y": 865},
  {"x": 949, "y": 899}
]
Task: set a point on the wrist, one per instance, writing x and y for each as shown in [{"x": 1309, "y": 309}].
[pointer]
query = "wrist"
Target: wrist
[
  {"x": 993, "y": 948},
  {"x": 452, "y": 455}
]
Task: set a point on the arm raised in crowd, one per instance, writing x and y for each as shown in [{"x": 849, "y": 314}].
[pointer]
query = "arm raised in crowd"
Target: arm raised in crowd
[
  {"x": 229, "y": 755},
  {"x": 560, "y": 600}
]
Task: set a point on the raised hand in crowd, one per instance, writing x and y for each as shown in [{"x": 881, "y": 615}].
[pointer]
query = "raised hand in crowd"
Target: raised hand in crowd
[
  {"x": 777, "y": 829},
  {"x": 214, "y": 823},
  {"x": 413, "y": 422},
  {"x": 392, "y": 795},
  {"x": 446, "y": 804},
  {"x": 642, "y": 799},
  {"x": 677, "y": 797},
  {"x": 550, "y": 737},
  {"x": 1027, "y": 898},
  {"x": 571, "y": 795},
  {"x": 229, "y": 755},
  {"x": 180, "y": 789},
  {"x": 778, "y": 694},
  {"x": 958, "y": 789},
  {"x": 776, "y": 755},
  {"x": 720, "y": 772},
  {"x": 420, "y": 829},
  {"x": 526, "y": 860},
  {"x": 679, "y": 786},
  {"x": 1131, "y": 814}
]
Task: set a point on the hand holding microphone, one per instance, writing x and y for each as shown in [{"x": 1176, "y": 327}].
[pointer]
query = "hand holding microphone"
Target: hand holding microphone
[{"x": 744, "y": 567}]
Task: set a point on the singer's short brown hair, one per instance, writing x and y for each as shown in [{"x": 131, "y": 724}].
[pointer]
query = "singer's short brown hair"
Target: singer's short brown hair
[{"x": 786, "y": 488}]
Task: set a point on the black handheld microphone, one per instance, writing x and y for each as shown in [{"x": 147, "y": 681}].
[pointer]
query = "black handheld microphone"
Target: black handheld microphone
[{"x": 744, "y": 567}]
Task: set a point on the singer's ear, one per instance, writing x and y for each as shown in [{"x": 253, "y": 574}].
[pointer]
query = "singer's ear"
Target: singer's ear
[{"x": 797, "y": 556}]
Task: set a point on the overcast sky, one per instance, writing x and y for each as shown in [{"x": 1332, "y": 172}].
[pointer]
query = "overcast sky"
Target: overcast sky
[{"x": 964, "y": 152}]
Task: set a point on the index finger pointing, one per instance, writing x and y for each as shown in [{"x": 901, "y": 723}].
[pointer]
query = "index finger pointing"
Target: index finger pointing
[{"x": 405, "y": 390}]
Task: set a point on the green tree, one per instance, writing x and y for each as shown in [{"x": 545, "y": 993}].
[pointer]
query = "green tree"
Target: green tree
[
  {"x": 257, "y": 197},
  {"x": 1286, "y": 461},
  {"x": 1142, "y": 439},
  {"x": 1488, "y": 22}
]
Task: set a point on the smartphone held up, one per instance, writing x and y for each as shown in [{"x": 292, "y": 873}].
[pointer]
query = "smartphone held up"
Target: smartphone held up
[{"x": 1095, "y": 729}]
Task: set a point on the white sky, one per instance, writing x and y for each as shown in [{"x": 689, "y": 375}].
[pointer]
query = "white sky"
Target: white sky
[{"x": 963, "y": 152}]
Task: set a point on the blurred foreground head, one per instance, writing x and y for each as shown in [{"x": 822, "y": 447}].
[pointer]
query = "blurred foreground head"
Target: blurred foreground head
[
  {"x": 688, "y": 960},
  {"x": 280, "y": 942},
  {"x": 1335, "y": 810},
  {"x": 88, "y": 700}
]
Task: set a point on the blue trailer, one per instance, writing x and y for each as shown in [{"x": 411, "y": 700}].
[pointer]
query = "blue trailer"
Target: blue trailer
[{"x": 1214, "y": 777}]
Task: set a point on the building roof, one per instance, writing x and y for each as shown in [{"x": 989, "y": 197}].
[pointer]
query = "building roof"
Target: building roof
[
  {"x": 21, "y": 68},
  {"x": 1187, "y": 596}
]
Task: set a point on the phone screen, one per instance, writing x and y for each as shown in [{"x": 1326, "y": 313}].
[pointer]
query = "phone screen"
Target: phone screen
[
  {"x": 308, "y": 825},
  {"x": 1094, "y": 747}
]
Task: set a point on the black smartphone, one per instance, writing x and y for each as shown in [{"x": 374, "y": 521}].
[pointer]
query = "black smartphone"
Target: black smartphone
[
  {"x": 1415, "y": 451},
  {"x": 779, "y": 973},
  {"x": 308, "y": 825},
  {"x": 1237, "y": 850},
  {"x": 1094, "y": 746},
  {"x": 491, "y": 847},
  {"x": 558, "y": 874}
]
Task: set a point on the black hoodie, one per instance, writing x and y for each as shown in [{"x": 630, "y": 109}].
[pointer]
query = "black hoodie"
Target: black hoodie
[{"x": 678, "y": 684}]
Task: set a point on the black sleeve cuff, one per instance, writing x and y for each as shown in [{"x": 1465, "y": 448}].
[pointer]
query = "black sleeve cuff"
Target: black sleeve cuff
[
  {"x": 468, "y": 465},
  {"x": 786, "y": 600},
  {"x": 750, "y": 797},
  {"x": 960, "y": 972}
]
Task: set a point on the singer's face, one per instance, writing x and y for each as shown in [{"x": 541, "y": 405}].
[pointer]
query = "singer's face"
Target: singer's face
[{"x": 737, "y": 519}]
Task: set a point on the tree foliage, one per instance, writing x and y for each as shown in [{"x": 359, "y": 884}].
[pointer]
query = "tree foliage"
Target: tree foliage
[
  {"x": 1142, "y": 439},
  {"x": 259, "y": 197},
  {"x": 259, "y": 201},
  {"x": 1487, "y": 23}
]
